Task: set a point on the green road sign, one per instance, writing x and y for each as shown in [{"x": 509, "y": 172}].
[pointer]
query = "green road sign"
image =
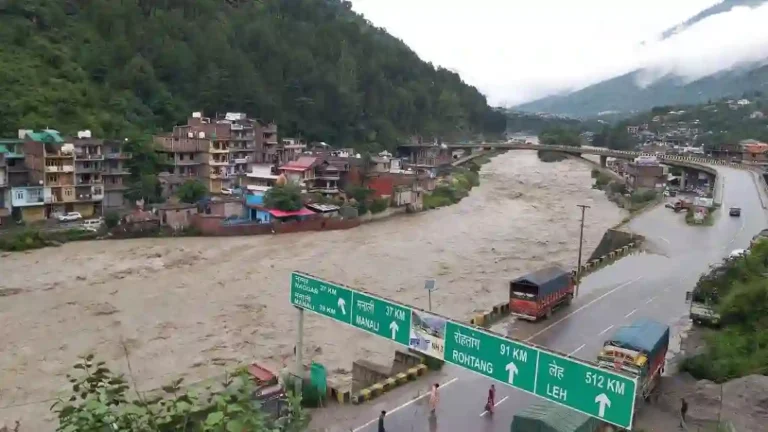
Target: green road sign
[
  {"x": 575, "y": 384},
  {"x": 594, "y": 391},
  {"x": 495, "y": 357},
  {"x": 321, "y": 297},
  {"x": 380, "y": 317},
  {"x": 364, "y": 311}
]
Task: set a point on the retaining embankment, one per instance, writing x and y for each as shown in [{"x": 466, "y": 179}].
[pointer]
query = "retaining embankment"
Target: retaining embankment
[
  {"x": 211, "y": 225},
  {"x": 612, "y": 240}
]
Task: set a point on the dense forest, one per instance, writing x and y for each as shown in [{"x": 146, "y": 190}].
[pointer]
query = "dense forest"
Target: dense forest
[{"x": 315, "y": 67}]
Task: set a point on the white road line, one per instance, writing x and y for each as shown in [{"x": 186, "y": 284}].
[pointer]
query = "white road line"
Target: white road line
[
  {"x": 494, "y": 405},
  {"x": 583, "y": 307},
  {"x": 668, "y": 242},
  {"x": 576, "y": 350},
  {"x": 607, "y": 328},
  {"x": 442, "y": 386},
  {"x": 650, "y": 299},
  {"x": 630, "y": 314}
]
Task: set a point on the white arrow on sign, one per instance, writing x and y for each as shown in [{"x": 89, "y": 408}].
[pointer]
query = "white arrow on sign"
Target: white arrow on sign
[
  {"x": 603, "y": 401},
  {"x": 393, "y": 326},
  {"x": 341, "y": 306},
  {"x": 512, "y": 369}
]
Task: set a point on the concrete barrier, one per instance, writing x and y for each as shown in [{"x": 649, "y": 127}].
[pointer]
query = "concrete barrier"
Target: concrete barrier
[{"x": 387, "y": 384}]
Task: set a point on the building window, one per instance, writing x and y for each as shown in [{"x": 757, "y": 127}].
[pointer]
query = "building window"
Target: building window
[
  {"x": 68, "y": 192},
  {"x": 19, "y": 195},
  {"x": 97, "y": 191}
]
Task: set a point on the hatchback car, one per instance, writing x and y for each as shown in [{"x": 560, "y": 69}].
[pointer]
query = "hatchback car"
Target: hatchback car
[
  {"x": 735, "y": 211},
  {"x": 69, "y": 217}
]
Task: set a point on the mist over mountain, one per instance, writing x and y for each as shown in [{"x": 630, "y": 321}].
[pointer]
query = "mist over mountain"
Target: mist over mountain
[{"x": 720, "y": 52}]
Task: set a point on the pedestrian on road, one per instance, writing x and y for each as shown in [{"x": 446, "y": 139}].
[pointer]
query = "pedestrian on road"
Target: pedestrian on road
[
  {"x": 491, "y": 402},
  {"x": 381, "y": 421},
  {"x": 434, "y": 399},
  {"x": 683, "y": 412}
]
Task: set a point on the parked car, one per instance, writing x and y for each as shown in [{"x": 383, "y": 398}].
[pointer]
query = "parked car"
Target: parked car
[
  {"x": 69, "y": 217},
  {"x": 735, "y": 211},
  {"x": 226, "y": 191},
  {"x": 93, "y": 224}
]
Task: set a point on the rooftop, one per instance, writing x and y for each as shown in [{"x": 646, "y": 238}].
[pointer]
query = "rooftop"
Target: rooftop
[
  {"x": 46, "y": 136},
  {"x": 262, "y": 171},
  {"x": 281, "y": 214},
  {"x": 302, "y": 164}
]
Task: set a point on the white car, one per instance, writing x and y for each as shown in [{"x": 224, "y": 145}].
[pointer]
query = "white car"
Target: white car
[
  {"x": 738, "y": 252},
  {"x": 226, "y": 191},
  {"x": 69, "y": 217}
]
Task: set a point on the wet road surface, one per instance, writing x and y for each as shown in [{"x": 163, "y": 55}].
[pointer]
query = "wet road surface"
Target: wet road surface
[{"x": 647, "y": 284}]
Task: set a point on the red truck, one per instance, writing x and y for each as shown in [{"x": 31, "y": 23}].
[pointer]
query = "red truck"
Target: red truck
[{"x": 537, "y": 294}]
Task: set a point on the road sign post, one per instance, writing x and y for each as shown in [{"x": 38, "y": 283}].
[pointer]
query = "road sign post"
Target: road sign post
[{"x": 573, "y": 383}]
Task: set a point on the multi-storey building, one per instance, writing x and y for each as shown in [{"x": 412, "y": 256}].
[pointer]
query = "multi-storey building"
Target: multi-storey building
[
  {"x": 5, "y": 197},
  {"x": 217, "y": 152},
  {"x": 115, "y": 174},
  {"x": 89, "y": 166}
]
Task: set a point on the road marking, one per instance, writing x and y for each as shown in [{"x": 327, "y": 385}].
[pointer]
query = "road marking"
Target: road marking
[
  {"x": 607, "y": 328},
  {"x": 494, "y": 405},
  {"x": 630, "y": 314},
  {"x": 650, "y": 299},
  {"x": 442, "y": 386},
  {"x": 668, "y": 242},
  {"x": 576, "y": 350},
  {"x": 583, "y": 307}
]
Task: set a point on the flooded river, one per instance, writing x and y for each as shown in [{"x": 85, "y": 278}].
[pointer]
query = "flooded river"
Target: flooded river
[{"x": 194, "y": 306}]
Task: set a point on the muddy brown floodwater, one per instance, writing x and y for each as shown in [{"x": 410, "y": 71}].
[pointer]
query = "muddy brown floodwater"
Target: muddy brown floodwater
[{"x": 194, "y": 306}]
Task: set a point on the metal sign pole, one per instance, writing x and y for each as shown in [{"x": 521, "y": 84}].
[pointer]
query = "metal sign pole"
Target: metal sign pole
[
  {"x": 299, "y": 351},
  {"x": 581, "y": 243}
]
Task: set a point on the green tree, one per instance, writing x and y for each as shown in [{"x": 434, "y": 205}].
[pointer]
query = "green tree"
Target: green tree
[
  {"x": 100, "y": 400},
  {"x": 192, "y": 191},
  {"x": 285, "y": 198},
  {"x": 560, "y": 136}
]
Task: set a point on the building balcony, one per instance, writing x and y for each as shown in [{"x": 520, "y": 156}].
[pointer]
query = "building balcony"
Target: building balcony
[
  {"x": 115, "y": 187},
  {"x": 325, "y": 190},
  {"x": 218, "y": 150},
  {"x": 119, "y": 155},
  {"x": 89, "y": 182},
  {"x": 14, "y": 155},
  {"x": 60, "y": 168},
  {"x": 184, "y": 162},
  {"x": 241, "y": 160},
  {"x": 220, "y": 162},
  {"x": 116, "y": 171},
  {"x": 89, "y": 156},
  {"x": 88, "y": 197},
  {"x": 91, "y": 169},
  {"x": 328, "y": 176}
]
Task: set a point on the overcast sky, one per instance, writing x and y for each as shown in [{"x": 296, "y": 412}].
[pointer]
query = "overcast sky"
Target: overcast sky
[{"x": 519, "y": 50}]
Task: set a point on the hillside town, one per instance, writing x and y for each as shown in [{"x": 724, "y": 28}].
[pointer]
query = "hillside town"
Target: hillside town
[{"x": 46, "y": 177}]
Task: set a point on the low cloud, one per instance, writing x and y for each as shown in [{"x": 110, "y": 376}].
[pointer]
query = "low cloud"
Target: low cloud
[{"x": 717, "y": 43}]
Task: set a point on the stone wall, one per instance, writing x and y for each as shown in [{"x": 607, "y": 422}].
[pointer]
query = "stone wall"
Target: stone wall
[{"x": 612, "y": 240}]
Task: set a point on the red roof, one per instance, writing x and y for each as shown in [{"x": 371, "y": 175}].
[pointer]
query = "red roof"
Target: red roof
[
  {"x": 280, "y": 214},
  {"x": 302, "y": 164}
]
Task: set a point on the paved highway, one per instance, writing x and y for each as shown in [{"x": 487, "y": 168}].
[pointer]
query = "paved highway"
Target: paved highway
[{"x": 650, "y": 285}]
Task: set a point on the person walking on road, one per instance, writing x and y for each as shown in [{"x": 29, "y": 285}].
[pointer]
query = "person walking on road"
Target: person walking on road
[
  {"x": 683, "y": 412},
  {"x": 381, "y": 421},
  {"x": 434, "y": 399},
  {"x": 491, "y": 402}
]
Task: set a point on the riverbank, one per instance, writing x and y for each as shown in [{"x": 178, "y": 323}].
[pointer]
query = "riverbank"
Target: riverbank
[{"x": 452, "y": 187}]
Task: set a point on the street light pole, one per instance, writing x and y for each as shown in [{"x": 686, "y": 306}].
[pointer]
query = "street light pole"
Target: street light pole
[{"x": 581, "y": 243}]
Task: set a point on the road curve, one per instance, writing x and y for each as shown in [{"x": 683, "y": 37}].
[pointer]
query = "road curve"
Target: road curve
[{"x": 650, "y": 285}]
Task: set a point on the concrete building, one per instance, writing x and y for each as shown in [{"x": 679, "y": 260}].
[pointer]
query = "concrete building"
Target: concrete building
[
  {"x": 115, "y": 174},
  {"x": 5, "y": 192},
  {"x": 219, "y": 152},
  {"x": 645, "y": 176},
  {"x": 89, "y": 166}
]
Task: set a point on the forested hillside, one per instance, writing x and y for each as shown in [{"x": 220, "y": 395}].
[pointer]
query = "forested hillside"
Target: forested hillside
[{"x": 313, "y": 66}]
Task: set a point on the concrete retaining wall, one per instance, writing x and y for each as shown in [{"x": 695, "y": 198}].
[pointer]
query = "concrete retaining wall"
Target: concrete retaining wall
[{"x": 612, "y": 240}]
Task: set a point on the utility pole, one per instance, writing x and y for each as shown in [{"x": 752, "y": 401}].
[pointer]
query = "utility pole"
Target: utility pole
[{"x": 581, "y": 243}]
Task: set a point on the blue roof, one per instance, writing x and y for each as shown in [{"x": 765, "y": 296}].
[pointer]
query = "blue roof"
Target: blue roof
[{"x": 644, "y": 335}]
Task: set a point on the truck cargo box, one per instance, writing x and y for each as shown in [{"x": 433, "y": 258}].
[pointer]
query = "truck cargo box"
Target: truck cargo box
[
  {"x": 542, "y": 282},
  {"x": 643, "y": 335},
  {"x": 549, "y": 417}
]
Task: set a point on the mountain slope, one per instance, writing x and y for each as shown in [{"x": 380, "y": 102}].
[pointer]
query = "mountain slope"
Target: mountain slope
[
  {"x": 622, "y": 94},
  {"x": 314, "y": 66}
]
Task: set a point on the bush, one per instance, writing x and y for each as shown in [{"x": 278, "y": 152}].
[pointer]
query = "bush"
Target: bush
[
  {"x": 285, "y": 198},
  {"x": 111, "y": 219},
  {"x": 643, "y": 197},
  {"x": 379, "y": 205}
]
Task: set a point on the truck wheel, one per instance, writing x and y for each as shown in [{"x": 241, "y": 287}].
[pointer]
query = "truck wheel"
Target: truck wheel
[
  {"x": 569, "y": 300},
  {"x": 548, "y": 315}
]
